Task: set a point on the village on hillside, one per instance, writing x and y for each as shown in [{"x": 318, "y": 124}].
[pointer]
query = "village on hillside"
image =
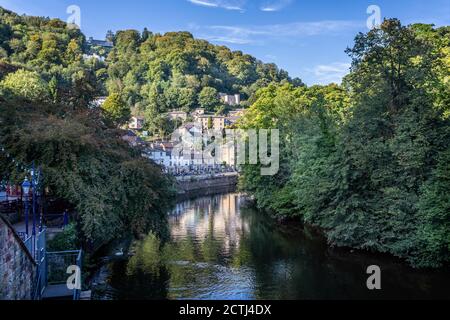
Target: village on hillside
[{"x": 162, "y": 150}]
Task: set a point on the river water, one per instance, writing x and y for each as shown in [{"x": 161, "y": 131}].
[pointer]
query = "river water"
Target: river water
[{"x": 220, "y": 248}]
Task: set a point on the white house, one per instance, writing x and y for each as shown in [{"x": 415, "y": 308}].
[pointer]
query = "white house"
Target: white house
[
  {"x": 187, "y": 149},
  {"x": 159, "y": 155},
  {"x": 98, "y": 102},
  {"x": 93, "y": 56}
]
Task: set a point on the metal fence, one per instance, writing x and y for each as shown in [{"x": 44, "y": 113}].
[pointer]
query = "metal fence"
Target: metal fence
[
  {"x": 57, "y": 265},
  {"x": 56, "y": 220},
  {"x": 27, "y": 241},
  {"x": 77, "y": 292},
  {"x": 39, "y": 254}
]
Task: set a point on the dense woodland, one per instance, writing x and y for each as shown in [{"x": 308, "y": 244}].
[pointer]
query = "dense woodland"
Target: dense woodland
[
  {"x": 367, "y": 161},
  {"x": 45, "y": 91},
  {"x": 156, "y": 73}
]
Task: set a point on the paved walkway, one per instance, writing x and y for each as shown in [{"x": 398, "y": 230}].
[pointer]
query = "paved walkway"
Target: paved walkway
[
  {"x": 58, "y": 291},
  {"x": 3, "y": 197}
]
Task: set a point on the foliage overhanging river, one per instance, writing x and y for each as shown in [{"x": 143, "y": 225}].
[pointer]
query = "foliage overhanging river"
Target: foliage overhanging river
[{"x": 220, "y": 249}]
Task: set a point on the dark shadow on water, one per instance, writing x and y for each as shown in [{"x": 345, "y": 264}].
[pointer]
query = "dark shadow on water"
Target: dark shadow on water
[{"x": 138, "y": 285}]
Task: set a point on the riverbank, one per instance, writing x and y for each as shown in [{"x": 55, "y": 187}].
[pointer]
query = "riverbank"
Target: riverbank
[
  {"x": 296, "y": 224},
  {"x": 197, "y": 186}
]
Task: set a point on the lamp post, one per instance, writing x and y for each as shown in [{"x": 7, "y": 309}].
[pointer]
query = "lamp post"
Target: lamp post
[
  {"x": 26, "y": 185},
  {"x": 33, "y": 185},
  {"x": 35, "y": 181}
]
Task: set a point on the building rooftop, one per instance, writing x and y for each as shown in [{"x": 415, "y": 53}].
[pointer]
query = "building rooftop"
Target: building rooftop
[
  {"x": 210, "y": 116},
  {"x": 101, "y": 43}
]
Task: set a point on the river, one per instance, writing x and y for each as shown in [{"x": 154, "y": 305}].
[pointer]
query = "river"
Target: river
[{"x": 220, "y": 248}]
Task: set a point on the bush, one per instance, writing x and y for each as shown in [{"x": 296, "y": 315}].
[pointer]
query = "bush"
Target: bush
[
  {"x": 26, "y": 84},
  {"x": 65, "y": 241}
]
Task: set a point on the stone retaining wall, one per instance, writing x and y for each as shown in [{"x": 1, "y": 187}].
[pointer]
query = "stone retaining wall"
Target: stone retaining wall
[
  {"x": 206, "y": 186},
  {"x": 17, "y": 267}
]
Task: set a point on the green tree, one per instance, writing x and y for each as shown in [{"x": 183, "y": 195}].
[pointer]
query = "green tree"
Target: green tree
[
  {"x": 26, "y": 84},
  {"x": 208, "y": 98},
  {"x": 159, "y": 124},
  {"x": 112, "y": 189},
  {"x": 433, "y": 241},
  {"x": 389, "y": 139},
  {"x": 50, "y": 53},
  {"x": 187, "y": 99},
  {"x": 73, "y": 52},
  {"x": 116, "y": 109},
  {"x": 53, "y": 89},
  {"x": 366, "y": 162}
]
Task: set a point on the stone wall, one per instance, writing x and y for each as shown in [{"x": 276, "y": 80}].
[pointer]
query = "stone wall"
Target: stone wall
[
  {"x": 196, "y": 187},
  {"x": 17, "y": 267}
]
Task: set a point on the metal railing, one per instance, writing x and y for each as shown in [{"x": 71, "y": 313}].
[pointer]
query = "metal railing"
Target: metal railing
[
  {"x": 57, "y": 265},
  {"x": 9, "y": 206},
  {"x": 56, "y": 220},
  {"x": 40, "y": 282},
  {"x": 77, "y": 292},
  {"x": 39, "y": 255},
  {"x": 27, "y": 241}
]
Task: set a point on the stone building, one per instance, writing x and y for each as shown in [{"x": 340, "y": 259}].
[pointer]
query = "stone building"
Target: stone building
[
  {"x": 177, "y": 115},
  {"x": 212, "y": 122}
]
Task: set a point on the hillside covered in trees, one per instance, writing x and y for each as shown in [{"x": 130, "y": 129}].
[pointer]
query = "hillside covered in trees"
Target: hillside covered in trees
[
  {"x": 368, "y": 162},
  {"x": 45, "y": 90},
  {"x": 48, "y": 78},
  {"x": 53, "y": 50},
  {"x": 157, "y": 73}
]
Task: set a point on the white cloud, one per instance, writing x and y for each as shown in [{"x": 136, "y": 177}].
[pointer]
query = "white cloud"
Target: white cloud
[
  {"x": 275, "y": 5},
  {"x": 330, "y": 73},
  {"x": 260, "y": 34},
  {"x": 225, "y": 39},
  {"x": 237, "y": 5},
  {"x": 203, "y": 3}
]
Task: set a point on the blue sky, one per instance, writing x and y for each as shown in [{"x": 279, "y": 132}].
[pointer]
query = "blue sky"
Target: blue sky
[{"x": 305, "y": 37}]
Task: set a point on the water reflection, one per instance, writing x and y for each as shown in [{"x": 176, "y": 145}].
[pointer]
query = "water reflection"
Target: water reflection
[{"x": 219, "y": 250}]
